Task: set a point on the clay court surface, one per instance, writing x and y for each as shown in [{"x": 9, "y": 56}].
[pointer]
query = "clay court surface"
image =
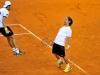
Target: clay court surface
[{"x": 36, "y": 22}]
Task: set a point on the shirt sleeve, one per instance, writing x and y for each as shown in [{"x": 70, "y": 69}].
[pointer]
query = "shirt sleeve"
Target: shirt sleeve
[
  {"x": 5, "y": 13},
  {"x": 69, "y": 33}
]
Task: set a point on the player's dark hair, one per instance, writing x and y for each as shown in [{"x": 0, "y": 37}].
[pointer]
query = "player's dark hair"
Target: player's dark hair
[{"x": 70, "y": 21}]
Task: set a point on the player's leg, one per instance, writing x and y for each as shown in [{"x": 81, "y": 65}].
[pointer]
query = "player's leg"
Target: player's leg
[
  {"x": 55, "y": 51},
  {"x": 65, "y": 59},
  {"x": 68, "y": 66},
  {"x": 11, "y": 41},
  {"x": 57, "y": 56},
  {"x": 12, "y": 44},
  {"x": 59, "y": 60},
  {"x": 61, "y": 53}
]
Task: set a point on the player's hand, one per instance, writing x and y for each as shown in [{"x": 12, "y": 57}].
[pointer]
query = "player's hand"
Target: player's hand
[
  {"x": 6, "y": 30},
  {"x": 68, "y": 46}
]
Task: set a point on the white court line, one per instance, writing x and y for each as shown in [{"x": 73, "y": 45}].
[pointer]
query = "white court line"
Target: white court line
[
  {"x": 34, "y": 35},
  {"x": 16, "y": 25},
  {"x": 12, "y": 24},
  {"x": 20, "y": 34},
  {"x": 78, "y": 67},
  {"x": 81, "y": 69}
]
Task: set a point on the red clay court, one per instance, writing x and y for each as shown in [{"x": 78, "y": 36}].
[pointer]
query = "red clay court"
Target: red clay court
[{"x": 36, "y": 22}]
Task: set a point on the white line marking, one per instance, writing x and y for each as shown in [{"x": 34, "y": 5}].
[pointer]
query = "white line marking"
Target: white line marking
[
  {"x": 51, "y": 47},
  {"x": 12, "y": 24},
  {"x": 20, "y": 34},
  {"x": 78, "y": 67},
  {"x": 34, "y": 35}
]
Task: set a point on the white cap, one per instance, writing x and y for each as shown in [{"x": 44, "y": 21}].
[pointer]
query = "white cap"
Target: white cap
[{"x": 7, "y": 3}]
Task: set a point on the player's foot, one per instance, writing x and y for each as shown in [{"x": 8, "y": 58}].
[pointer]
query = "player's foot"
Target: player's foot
[
  {"x": 20, "y": 53},
  {"x": 68, "y": 68}
]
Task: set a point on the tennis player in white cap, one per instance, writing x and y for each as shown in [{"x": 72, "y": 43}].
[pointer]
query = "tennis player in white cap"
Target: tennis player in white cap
[{"x": 5, "y": 30}]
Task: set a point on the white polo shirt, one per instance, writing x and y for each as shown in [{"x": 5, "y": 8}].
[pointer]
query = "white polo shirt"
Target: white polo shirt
[
  {"x": 63, "y": 33},
  {"x": 3, "y": 13}
]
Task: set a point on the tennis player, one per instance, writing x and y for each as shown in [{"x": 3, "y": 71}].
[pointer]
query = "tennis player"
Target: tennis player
[
  {"x": 5, "y": 30},
  {"x": 62, "y": 38}
]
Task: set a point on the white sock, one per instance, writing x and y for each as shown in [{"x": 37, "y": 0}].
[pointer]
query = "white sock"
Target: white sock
[{"x": 15, "y": 50}]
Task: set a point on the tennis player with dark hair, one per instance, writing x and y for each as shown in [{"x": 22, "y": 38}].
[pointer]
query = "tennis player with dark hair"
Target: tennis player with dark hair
[
  {"x": 5, "y": 30},
  {"x": 62, "y": 38}
]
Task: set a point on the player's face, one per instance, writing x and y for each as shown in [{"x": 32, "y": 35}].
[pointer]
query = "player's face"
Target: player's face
[{"x": 66, "y": 21}]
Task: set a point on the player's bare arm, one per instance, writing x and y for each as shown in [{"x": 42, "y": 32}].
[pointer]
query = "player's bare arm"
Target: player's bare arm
[{"x": 68, "y": 43}]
